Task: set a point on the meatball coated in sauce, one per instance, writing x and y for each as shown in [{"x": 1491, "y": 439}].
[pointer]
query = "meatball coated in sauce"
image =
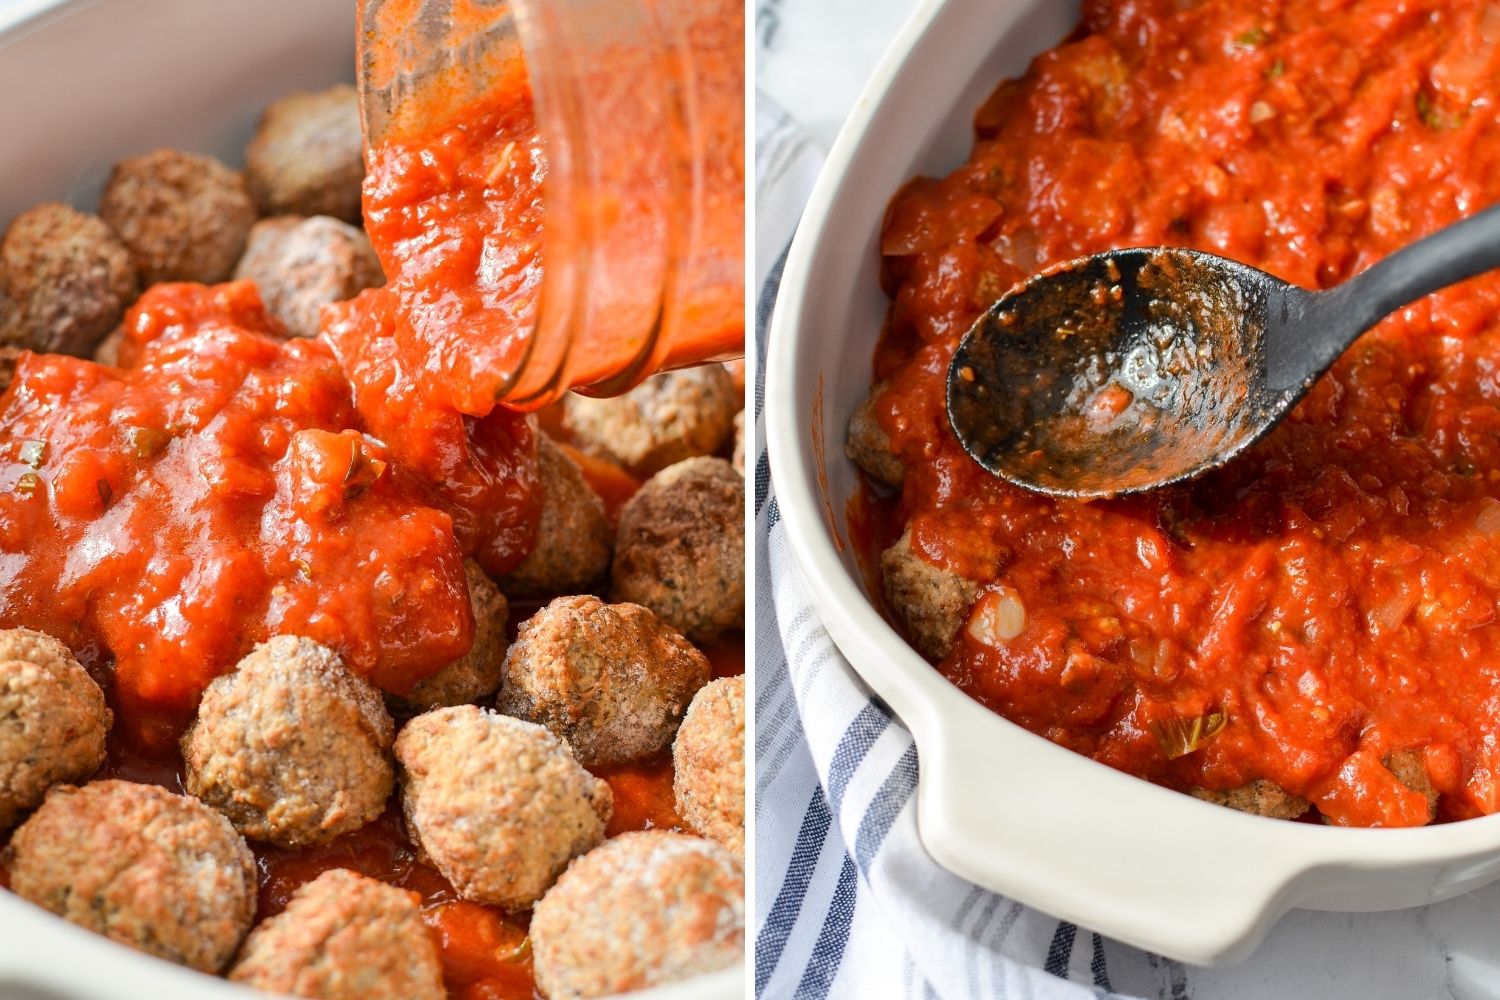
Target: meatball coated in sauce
[
  {"x": 708, "y": 761},
  {"x": 680, "y": 548},
  {"x": 183, "y": 216},
  {"x": 1259, "y": 798},
  {"x": 610, "y": 680},
  {"x": 344, "y": 937},
  {"x": 1411, "y": 770},
  {"x": 665, "y": 419},
  {"x": 307, "y": 155},
  {"x": 497, "y": 805},
  {"x": 68, "y": 278},
  {"x": 301, "y": 265},
  {"x": 159, "y": 872},
  {"x": 573, "y": 538},
  {"x": 644, "y": 909},
  {"x": 476, "y": 674},
  {"x": 869, "y": 447},
  {"x": 929, "y": 601},
  {"x": 53, "y": 721},
  {"x": 291, "y": 746}
]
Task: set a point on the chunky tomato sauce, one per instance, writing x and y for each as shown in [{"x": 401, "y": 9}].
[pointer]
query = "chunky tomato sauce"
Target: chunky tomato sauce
[{"x": 1330, "y": 598}]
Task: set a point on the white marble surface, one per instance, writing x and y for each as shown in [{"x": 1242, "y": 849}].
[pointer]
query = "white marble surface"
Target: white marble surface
[{"x": 814, "y": 56}]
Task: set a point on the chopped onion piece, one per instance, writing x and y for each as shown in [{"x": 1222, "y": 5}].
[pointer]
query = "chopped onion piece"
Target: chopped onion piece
[{"x": 1488, "y": 519}]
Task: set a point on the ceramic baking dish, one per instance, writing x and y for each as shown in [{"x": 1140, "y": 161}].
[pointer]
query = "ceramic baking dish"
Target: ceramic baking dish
[
  {"x": 86, "y": 83},
  {"x": 995, "y": 803}
]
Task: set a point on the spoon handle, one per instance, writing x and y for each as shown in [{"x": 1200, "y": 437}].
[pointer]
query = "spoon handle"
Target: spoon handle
[{"x": 1453, "y": 253}]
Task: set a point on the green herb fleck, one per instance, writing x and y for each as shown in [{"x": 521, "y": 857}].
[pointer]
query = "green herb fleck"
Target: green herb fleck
[
  {"x": 148, "y": 442},
  {"x": 1277, "y": 69},
  {"x": 28, "y": 484},
  {"x": 1252, "y": 39}
]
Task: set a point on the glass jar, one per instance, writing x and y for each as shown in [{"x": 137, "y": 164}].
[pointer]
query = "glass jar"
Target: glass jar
[{"x": 639, "y": 106}]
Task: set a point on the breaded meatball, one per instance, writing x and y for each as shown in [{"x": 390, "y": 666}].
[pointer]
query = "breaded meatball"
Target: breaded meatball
[
  {"x": 739, "y": 442},
  {"x": 344, "y": 937},
  {"x": 9, "y": 357},
  {"x": 68, "y": 278},
  {"x": 307, "y": 157},
  {"x": 930, "y": 602},
  {"x": 184, "y": 217},
  {"x": 665, "y": 419},
  {"x": 642, "y": 910},
  {"x": 708, "y": 761},
  {"x": 573, "y": 538},
  {"x": 476, "y": 674},
  {"x": 301, "y": 265},
  {"x": 498, "y": 805},
  {"x": 869, "y": 447},
  {"x": 291, "y": 746},
  {"x": 610, "y": 680},
  {"x": 159, "y": 872},
  {"x": 680, "y": 548},
  {"x": 1411, "y": 770},
  {"x": 1260, "y": 798},
  {"x": 53, "y": 721}
]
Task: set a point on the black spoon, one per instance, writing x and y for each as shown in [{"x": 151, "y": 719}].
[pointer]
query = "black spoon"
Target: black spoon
[{"x": 1133, "y": 369}]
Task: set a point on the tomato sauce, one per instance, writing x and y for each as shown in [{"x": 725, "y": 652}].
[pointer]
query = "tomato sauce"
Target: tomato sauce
[{"x": 1331, "y": 596}]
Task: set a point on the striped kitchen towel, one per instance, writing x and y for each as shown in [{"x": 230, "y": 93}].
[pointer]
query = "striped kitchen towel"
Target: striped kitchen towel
[{"x": 849, "y": 904}]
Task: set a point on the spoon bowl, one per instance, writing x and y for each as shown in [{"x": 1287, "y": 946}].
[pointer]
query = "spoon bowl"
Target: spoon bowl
[{"x": 1134, "y": 369}]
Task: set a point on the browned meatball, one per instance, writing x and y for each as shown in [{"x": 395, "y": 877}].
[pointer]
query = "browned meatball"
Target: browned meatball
[
  {"x": 301, "y": 265},
  {"x": 665, "y": 419},
  {"x": 869, "y": 447},
  {"x": 610, "y": 680},
  {"x": 53, "y": 720},
  {"x": 476, "y": 674},
  {"x": 9, "y": 356},
  {"x": 498, "y": 805},
  {"x": 1411, "y": 770},
  {"x": 306, "y": 157},
  {"x": 291, "y": 746},
  {"x": 68, "y": 278},
  {"x": 739, "y": 442},
  {"x": 159, "y": 872},
  {"x": 680, "y": 548},
  {"x": 642, "y": 910},
  {"x": 344, "y": 937},
  {"x": 931, "y": 602},
  {"x": 708, "y": 761},
  {"x": 573, "y": 538},
  {"x": 1260, "y": 798},
  {"x": 108, "y": 351},
  {"x": 184, "y": 217}
]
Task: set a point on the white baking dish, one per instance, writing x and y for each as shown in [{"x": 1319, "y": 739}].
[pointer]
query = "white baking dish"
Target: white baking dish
[
  {"x": 996, "y": 804},
  {"x": 86, "y": 83}
]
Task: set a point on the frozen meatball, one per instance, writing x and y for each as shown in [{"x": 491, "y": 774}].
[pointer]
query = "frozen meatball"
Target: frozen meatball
[
  {"x": 869, "y": 447},
  {"x": 739, "y": 442},
  {"x": 1411, "y": 770},
  {"x": 306, "y": 157},
  {"x": 498, "y": 805},
  {"x": 644, "y": 909},
  {"x": 291, "y": 746},
  {"x": 159, "y": 872},
  {"x": 573, "y": 538},
  {"x": 301, "y": 265},
  {"x": 665, "y": 419},
  {"x": 344, "y": 937},
  {"x": 53, "y": 721},
  {"x": 680, "y": 548},
  {"x": 1260, "y": 798},
  {"x": 184, "y": 217},
  {"x": 68, "y": 277},
  {"x": 931, "y": 602},
  {"x": 708, "y": 762},
  {"x": 611, "y": 680},
  {"x": 476, "y": 674}
]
